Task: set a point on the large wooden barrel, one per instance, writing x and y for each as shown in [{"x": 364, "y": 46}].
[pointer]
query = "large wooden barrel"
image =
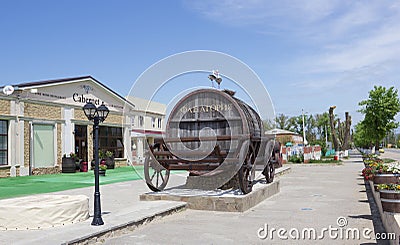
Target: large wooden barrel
[
  {"x": 206, "y": 113},
  {"x": 68, "y": 165},
  {"x": 388, "y": 178},
  {"x": 213, "y": 135},
  {"x": 390, "y": 200}
]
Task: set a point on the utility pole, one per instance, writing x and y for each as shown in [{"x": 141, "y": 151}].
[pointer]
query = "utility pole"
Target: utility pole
[{"x": 304, "y": 130}]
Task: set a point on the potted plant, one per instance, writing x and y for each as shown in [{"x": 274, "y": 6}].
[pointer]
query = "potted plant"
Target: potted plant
[
  {"x": 382, "y": 173},
  {"x": 110, "y": 160},
  {"x": 101, "y": 158},
  {"x": 102, "y": 169},
  {"x": 390, "y": 197},
  {"x": 368, "y": 173},
  {"x": 69, "y": 163}
]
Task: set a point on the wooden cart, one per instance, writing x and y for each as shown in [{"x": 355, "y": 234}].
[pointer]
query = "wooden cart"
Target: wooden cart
[{"x": 214, "y": 136}]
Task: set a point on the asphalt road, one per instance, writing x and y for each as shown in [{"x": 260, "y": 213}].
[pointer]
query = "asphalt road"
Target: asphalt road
[
  {"x": 391, "y": 153},
  {"x": 312, "y": 197}
]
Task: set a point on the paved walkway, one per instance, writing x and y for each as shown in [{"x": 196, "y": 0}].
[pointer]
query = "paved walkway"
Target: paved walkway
[
  {"x": 311, "y": 196},
  {"x": 120, "y": 207}
]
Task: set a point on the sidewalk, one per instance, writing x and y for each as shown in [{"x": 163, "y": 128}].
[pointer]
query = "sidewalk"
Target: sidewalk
[
  {"x": 120, "y": 207},
  {"x": 122, "y": 211},
  {"x": 311, "y": 197}
]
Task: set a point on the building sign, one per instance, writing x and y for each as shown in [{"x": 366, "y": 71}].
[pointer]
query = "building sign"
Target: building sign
[
  {"x": 77, "y": 96},
  {"x": 206, "y": 108},
  {"x": 84, "y": 99}
]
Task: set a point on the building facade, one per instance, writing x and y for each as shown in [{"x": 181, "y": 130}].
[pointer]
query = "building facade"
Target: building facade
[
  {"x": 148, "y": 125},
  {"x": 40, "y": 122}
]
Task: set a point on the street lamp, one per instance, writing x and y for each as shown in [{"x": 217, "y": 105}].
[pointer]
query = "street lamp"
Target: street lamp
[
  {"x": 304, "y": 130},
  {"x": 97, "y": 115}
]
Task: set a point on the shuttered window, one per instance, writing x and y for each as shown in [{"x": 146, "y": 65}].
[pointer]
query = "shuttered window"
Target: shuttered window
[{"x": 3, "y": 142}]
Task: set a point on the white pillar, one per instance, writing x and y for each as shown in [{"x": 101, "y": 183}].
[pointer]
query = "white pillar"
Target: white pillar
[
  {"x": 139, "y": 150},
  {"x": 68, "y": 139},
  {"x": 127, "y": 140}
]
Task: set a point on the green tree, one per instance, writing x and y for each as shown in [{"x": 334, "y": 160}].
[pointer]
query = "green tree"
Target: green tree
[
  {"x": 268, "y": 125},
  {"x": 379, "y": 112},
  {"x": 322, "y": 125},
  {"x": 295, "y": 124},
  {"x": 360, "y": 136},
  {"x": 311, "y": 128},
  {"x": 282, "y": 121}
]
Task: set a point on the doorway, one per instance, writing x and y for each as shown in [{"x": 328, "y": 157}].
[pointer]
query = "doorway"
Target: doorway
[{"x": 81, "y": 142}]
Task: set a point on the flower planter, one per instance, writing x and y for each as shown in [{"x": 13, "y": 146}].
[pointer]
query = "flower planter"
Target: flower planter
[
  {"x": 386, "y": 179},
  {"x": 68, "y": 165},
  {"x": 390, "y": 200},
  {"x": 102, "y": 172}
]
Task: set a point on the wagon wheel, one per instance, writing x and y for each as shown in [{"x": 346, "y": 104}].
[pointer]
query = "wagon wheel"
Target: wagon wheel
[
  {"x": 247, "y": 171},
  {"x": 269, "y": 167},
  {"x": 155, "y": 174},
  {"x": 270, "y": 172}
]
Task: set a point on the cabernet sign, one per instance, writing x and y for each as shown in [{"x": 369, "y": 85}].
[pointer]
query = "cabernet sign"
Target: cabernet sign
[{"x": 83, "y": 99}]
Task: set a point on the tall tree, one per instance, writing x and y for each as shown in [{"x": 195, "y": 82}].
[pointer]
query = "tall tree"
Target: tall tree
[
  {"x": 296, "y": 124},
  {"x": 310, "y": 125},
  {"x": 268, "y": 124},
  {"x": 346, "y": 133},
  {"x": 379, "y": 112},
  {"x": 361, "y": 137},
  {"x": 322, "y": 125},
  {"x": 282, "y": 121},
  {"x": 333, "y": 128}
]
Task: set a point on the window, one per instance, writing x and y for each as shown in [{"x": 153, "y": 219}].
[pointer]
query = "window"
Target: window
[
  {"x": 153, "y": 122},
  {"x": 141, "y": 121},
  {"x": 3, "y": 142},
  {"x": 158, "y": 122},
  {"x": 43, "y": 145},
  {"x": 133, "y": 121},
  {"x": 110, "y": 139}
]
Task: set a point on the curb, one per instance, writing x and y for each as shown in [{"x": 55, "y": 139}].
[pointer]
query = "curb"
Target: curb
[
  {"x": 283, "y": 170},
  {"x": 122, "y": 229}
]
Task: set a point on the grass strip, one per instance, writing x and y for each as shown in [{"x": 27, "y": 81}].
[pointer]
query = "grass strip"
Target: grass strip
[{"x": 38, "y": 184}]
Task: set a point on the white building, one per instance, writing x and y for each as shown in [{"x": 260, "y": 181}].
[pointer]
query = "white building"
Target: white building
[
  {"x": 148, "y": 124},
  {"x": 42, "y": 121}
]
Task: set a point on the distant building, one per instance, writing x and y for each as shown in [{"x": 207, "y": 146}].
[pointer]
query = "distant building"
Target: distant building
[
  {"x": 147, "y": 125},
  {"x": 286, "y": 136}
]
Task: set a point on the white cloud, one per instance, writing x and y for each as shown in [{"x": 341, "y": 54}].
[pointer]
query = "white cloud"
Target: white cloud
[
  {"x": 344, "y": 35},
  {"x": 346, "y": 46}
]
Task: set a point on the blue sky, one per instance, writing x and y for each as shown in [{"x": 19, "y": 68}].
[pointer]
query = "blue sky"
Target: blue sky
[{"x": 309, "y": 54}]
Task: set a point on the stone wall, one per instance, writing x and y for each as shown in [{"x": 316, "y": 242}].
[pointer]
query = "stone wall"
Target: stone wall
[
  {"x": 40, "y": 111},
  {"x": 5, "y": 171},
  {"x": 79, "y": 115},
  {"x": 26, "y": 144},
  {"x": 59, "y": 145},
  {"x": 42, "y": 171},
  {"x": 114, "y": 118},
  {"x": 5, "y": 107},
  {"x": 121, "y": 162}
]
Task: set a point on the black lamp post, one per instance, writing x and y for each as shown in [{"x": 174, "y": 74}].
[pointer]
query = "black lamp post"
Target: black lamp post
[{"x": 97, "y": 115}]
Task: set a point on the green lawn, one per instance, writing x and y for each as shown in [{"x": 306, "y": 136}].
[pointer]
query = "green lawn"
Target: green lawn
[{"x": 27, "y": 185}]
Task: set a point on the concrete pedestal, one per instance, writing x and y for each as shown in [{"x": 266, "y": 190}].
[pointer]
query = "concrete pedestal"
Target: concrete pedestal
[{"x": 217, "y": 200}]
